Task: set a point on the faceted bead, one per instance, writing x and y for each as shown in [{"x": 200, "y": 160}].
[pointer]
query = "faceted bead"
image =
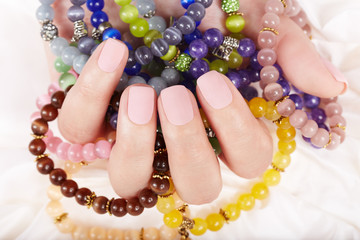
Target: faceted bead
[
  {"x": 287, "y": 147},
  {"x": 118, "y": 207},
  {"x": 286, "y": 107},
  {"x": 57, "y": 99},
  {"x": 39, "y": 127},
  {"x": 173, "y": 219},
  {"x": 60, "y": 66},
  {"x": 213, "y": 37},
  {"x": 186, "y": 24},
  {"x": 49, "y": 112},
  {"x": 44, "y": 165},
  {"x": 159, "y": 186},
  {"x": 266, "y": 57},
  {"x": 273, "y": 92},
  {"x": 196, "y": 11},
  {"x": 139, "y": 27},
  {"x": 133, "y": 207},
  {"x": 200, "y": 227},
  {"x": 172, "y": 36},
  {"x": 37, "y": 147},
  {"x": 281, "y": 160},
  {"x": 309, "y": 129},
  {"x": 198, "y": 49},
  {"x": 260, "y": 191},
  {"x": 219, "y": 65},
  {"x": 246, "y": 47},
  {"x": 235, "y": 60},
  {"x": 258, "y": 107},
  {"x": 246, "y": 201},
  {"x": 271, "y": 177},
  {"x": 99, "y": 204},
  {"x": 286, "y": 135},
  {"x": 69, "y": 188},
  {"x": 150, "y": 36},
  {"x": 159, "y": 47},
  {"x": 160, "y": 163},
  {"x": 54, "y": 209},
  {"x": 147, "y": 198},
  {"x": 198, "y": 68},
  {"x": 232, "y": 211},
  {"x": 165, "y": 204},
  {"x": 235, "y": 23},
  {"x": 215, "y": 221},
  {"x": 81, "y": 195},
  {"x": 57, "y": 176},
  {"x": 321, "y": 138},
  {"x": 298, "y": 118},
  {"x": 171, "y": 76}
]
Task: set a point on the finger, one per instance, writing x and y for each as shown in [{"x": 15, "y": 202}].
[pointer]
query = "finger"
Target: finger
[
  {"x": 130, "y": 164},
  {"x": 193, "y": 164},
  {"x": 246, "y": 144},
  {"x": 83, "y": 112}
]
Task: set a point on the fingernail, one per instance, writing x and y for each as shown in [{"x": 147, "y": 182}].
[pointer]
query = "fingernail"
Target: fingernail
[
  {"x": 177, "y": 105},
  {"x": 215, "y": 90},
  {"x": 111, "y": 55},
  {"x": 140, "y": 104},
  {"x": 335, "y": 73}
]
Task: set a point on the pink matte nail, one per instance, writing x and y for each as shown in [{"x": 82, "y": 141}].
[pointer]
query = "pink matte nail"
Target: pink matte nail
[
  {"x": 215, "y": 90},
  {"x": 140, "y": 104},
  {"x": 335, "y": 73},
  {"x": 177, "y": 105},
  {"x": 111, "y": 55}
]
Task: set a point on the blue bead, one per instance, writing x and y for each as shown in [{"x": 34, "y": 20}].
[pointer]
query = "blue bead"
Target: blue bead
[
  {"x": 249, "y": 93},
  {"x": 187, "y": 3},
  {"x": 297, "y": 100},
  {"x": 187, "y": 51},
  {"x": 95, "y": 5},
  {"x": 111, "y": 33},
  {"x": 254, "y": 63},
  {"x": 135, "y": 69},
  {"x": 98, "y": 17},
  {"x": 128, "y": 45},
  {"x": 311, "y": 101},
  {"x": 196, "y": 34},
  {"x": 285, "y": 86},
  {"x": 318, "y": 115}
]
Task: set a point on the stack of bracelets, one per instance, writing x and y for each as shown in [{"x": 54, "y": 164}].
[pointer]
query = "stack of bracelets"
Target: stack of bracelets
[{"x": 178, "y": 54}]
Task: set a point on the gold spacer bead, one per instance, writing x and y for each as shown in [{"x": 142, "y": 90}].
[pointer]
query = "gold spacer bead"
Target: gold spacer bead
[
  {"x": 310, "y": 37},
  {"x": 340, "y": 126},
  {"x": 107, "y": 207},
  {"x": 40, "y": 156},
  {"x": 176, "y": 56},
  {"x": 160, "y": 176},
  {"x": 276, "y": 168},
  {"x": 160, "y": 151},
  {"x": 270, "y": 29},
  {"x": 90, "y": 200},
  {"x": 183, "y": 208},
  {"x": 236, "y": 13},
  {"x": 165, "y": 195},
  {"x": 278, "y": 121},
  {"x": 284, "y": 3},
  {"x": 330, "y": 138},
  {"x": 281, "y": 100},
  {"x": 223, "y": 213},
  {"x": 83, "y": 163},
  {"x": 38, "y": 136},
  {"x": 60, "y": 218}
]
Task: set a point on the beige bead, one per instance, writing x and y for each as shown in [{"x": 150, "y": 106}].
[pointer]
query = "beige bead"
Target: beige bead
[
  {"x": 80, "y": 233},
  {"x": 54, "y": 209},
  {"x": 132, "y": 235},
  {"x": 151, "y": 234},
  {"x": 71, "y": 167},
  {"x": 97, "y": 233},
  {"x": 66, "y": 225},
  {"x": 115, "y": 234},
  {"x": 167, "y": 233},
  {"x": 54, "y": 192}
]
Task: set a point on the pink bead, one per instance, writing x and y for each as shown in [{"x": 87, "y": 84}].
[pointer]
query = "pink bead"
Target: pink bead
[
  {"x": 266, "y": 57},
  {"x": 103, "y": 149},
  {"x": 34, "y": 116},
  {"x": 263, "y": 84},
  {"x": 72, "y": 71},
  {"x": 332, "y": 109},
  {"x": 321, "y": 138},
  {"x": 339, "y": 132},
  {"x": 335, "y": 141},
  {"x": 62, "y": 150},
  {"x": 54, "y": 87},
  {"x": 75, "y": 153},
  {"x": 273, "y": 92},
  {"x": 337, "y": 119},
  {"x": 274, "y": 6},
  {"x": 270, "y": 20},
  {"x": 269, "y": 74},
  {"x": 288, "y": 6},
  {"x": 300, "y": 19},
  {"x": 267, "y": 39},
  {"x": 309, "y": 129},
  {"x": 88, "y": 152},
  {"x": 49, "y": 134},
  {"x": 42, "y": 100},
  {"x": 294, "y": 9},
  {"x": 52, "y": 143},
  {"x": 328, "y": 100},
  {"x": 286, "y": 107},
  {"x": 298, "y": 118},
  {"x": 307, "y": 30}
]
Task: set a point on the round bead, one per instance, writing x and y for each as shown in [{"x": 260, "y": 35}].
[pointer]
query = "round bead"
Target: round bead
[
  {"x": 235, "y": 23},
  {"x": 145, "y": 6},
  {"x": 269, "y": 74},
  {"x": 284, "y": 123},
  {"x": 172, "y": 36},
  {"x": 66, "y": 80},
  {"x": 143, "y": 55},
  {"x": 267, "y": 39},
  {"x": 309, "y": 129},
  {"x": 79, "y": 62},
  {"x": 158, "y": 83},
  {"x": 102, "y": 149},
  {"x": 45, "y": 12},
  {"x": 183, "y": 62},
  {"x": 258, "y": 107},
  {"x": 287, "y": 147},
  {"x": 213, "y": 37},
  {"x": 286, "y": 107},
  {"x": 333, "y": 109},
  {"x": 173, "y": 219},
  {"x": 75, "y": 2},
  {"x": 198, "y": 49},
  {"x": 133, "y": 207},
  {"x": 254, "y": 63},
  {"x": 186, "y": 3},
  {"x": 205, "y": 3},
  {"x": 185, "y": 24},
  {"x": 165, "y": 205},
  {"x": 273, "y": 92},
  {"x": 198, "y": 68},
  {"x": 246, "y": 201},
  {"x": 69, "y": 188},
  {"x": 111, "y": 33},
  {"x": 81, "y": 195},
  {"x": 286, "y": 135},
  {"x": 147, "y": 198},
  {"x": 200, "y": 227},
  {"x": 128, "y": 13},
  {"x": 298, "y": 118},
  {"x": 337, "y": 120},
  {"x": 75, "y": 13},
  {"x": 75, "y": 153},
  {"x": 219, "y": 66},
  {"x": 281, "y": 160},
  {"x": 69, "y": 54},
  {"x": 159, "y": 47},
  {"x": 318, "y": 115},
  {"x": 39, "y": 127},
  {"x": 235, "y": 60},
  {"x": 335, "y": 141},
  {"x": 321, "y": 138},
  {"x": 118, "y": 207},
  {"x": 95, "y": 5},
  {"x": 270, "y": 20},
  {"x": 54, "y": 208},
  {"x": 215, "y": 221},
  {"x": 232, "y": 211},
  {"x": 159, "y": 186},
  {"x": 99, "y": 204},
  {"x": 37, "y": 147},
  {"x": 260, "y": 191},
  {"x": 170, "y": 54},
  {"x": 339, "y": 132},
  {"x": 266, "y": 57},
  {"x": 88, "y": 152},
  {"x": 44, "y": 165},
  {"x": 139, "y": 27},
  {"x": 150, "y": 36},
  {"x": 58, "y": 45},
  {"x": 246, "y": 47},
  {"x": 171, "y": 76},
  {"x": 97, "y": 233},
  {"x": 285, "y": 86},
  {"x": 271, "y": 111},
  {"x": 71, "y": 167},
  {"x": 196, "y": 11},
  {"x": 157, "y": 23},
  {"x": 60, "y": 66},
  {"x": 122, "y": 2},
  {"x": 98, "y": 17},
  {"x": 57, "y": 176},
  {"x": 311, "y": 101},
  {"x": 297, "y": 100},
  {"x": 271, "y": 177},
  {"x": 160, "y": 163},
  {"x": 274, "y": 6},
  {"x": 159, "y": 141},
  {"x": 47, "y": 2}
]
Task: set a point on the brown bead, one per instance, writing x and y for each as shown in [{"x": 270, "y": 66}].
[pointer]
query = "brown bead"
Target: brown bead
[
  {"x": 147, "y": 198},
  {"x": 57, "y": 99},
  {"x": 161, "y": 163},
  {"x": 99, "y": 204},
  {"x": 81, "y": 195},
  {"x": 49, "y": 112},
  {"x": 69, "y": 188},
  {"x": 118, "y": 207},
  {"x": 67, "y": 90},
  {"x": 39, "y": 127},
  {"x": 133, "y": 207},
  {"x": 57, "y": 176},
  {"x": 45, "y": 165},
  {"x": 159, "y": 142},
  {"x": 159, "y": 186},
  {"x": 37, "y": 147},
  {"x": 115, "y": 100}
]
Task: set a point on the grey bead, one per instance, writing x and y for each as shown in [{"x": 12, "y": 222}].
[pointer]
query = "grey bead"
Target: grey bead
[
  {"x": 196, "y": 11},
  {"x": 69, "y": 54},
  {"x": 75, "y": 13},
  {"x": 45, "y": 12},
  {"x": 143, "y": 55},
  {"x": 86, "y": 44},
  {"x": 79, "y": 62},
  {"x": 167, "y": 63},
  {"x": 157, "y": 23},
  {"x": 131, "y": 59},
  {"x": 172, "y": 36},
  {"x": 58, "y": 45},
  {"x": 78, "y": 2},
  {"x": 158, "y": 83},
  {"x": 94, "y": 48},
  {"x": 205, "y": 3},
  {"x": 47, "y": 2},
  {"x": 122, "y": 83},
  {"x": 136, "y": 79},
  {"x": 186, "y": 24},
  {"x": 171, "y": 76},
  {"x": 145, "y": 6},
  {"x": 159, "y": 47}
]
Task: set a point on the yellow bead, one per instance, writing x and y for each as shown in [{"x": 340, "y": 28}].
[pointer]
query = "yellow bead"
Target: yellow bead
[
  {"x": 170, "y": 54},
  {"x": 235, "y": 23},
  {"x": 281, "y": 161},
  {"x": 271, "y": 177},
  {"x": 171, "y": 188},
  {"x": 123, "y": 2},
  {"x": 287, "y": 147},
  {"x": 286, "y": 135},
  {"x": 235, "y": 60},
  {"x": 204, "y": 118},
  {"x": 284, "y": 123},
  {"x": 246, "y": 201},
  {"x": 128, "y": 13},
  {"x": 260, "y": 191},
  {"x": 232, "y": 211},
  {"x": 150, "y": 36},
  {"x": 173, "y": 219},
  {"x": 258, "y": 107},
  {"x": 165, "y": 204},
  {"x": 215, "y": 221},
  {"x": 271, "y": 111},
  {"x": 139, "y": 27},
  {"x": 220, "y": 66},
  {"x": 200, "y": 227},
  {"x": 238, "y": 36}
]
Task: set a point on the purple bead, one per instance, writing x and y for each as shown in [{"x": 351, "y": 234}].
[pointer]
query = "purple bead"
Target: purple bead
[
  {"x": 185, "y": 24},
  {"x": 278, "y": 68},
  {"x": 254, "y": 63},
  {"x": 297, "y": 100},
  {"x": 234, "y": 78},
  {"x": 196, "y": 11},
  {"x": 75, "y": 13},
  {"x": 198, "y": 68},
  {"x": 308, "y": 140},
  {"x": 86, "y": 44},
  {"x": 318, "y": 115},
  {"x": 98, "y": 17},
  {"x": 311, "y": 101},
  {"x": 254, "y": 75},
  {"x": 285, "y": 86},
  {"x": 109, "y": 112},
  {"x": 297, "y": 90},
  {"x": 198, "y": 49},
  {"x": 131, "y": 59},
  {"x": 249, "y": 93},
  {"x": 323, "y": 125},
  {"x": 113, "y": 120},
  {"x": 246, "y": 47},
  {"x": 172, "y": 36},
  {"x": 205, "y": 3},
  {"x": 213, "y": 37},
  {"x": 78, "y": 2},
  {"x": 244, "y": 79},
  {"x": 193, "y": 36},
  {"x": 95, "y": 5}
]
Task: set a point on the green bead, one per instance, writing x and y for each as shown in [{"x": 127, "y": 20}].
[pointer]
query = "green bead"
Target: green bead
[
  {"x": 122, "y": 2},
  {"x": 66, "y": 79},
  {"x": 128, "y": 13},
  {"x": 170, "y": 54},
  {"x": 150, "y": 36},
  {"x": 60, "y": 66},
  {"x": 215, "y": 145},
  {"x": 235, "y": 23},
  {"x": 73, "y": 44},
  {"x": 220, "y": 66},
  {"x": 235, "y": 60},
  {"x": 139, "y": 27},
  {"x": 238, "y": 36},
  {"x": 155, "y": 68},
  {"x": 230, "y": 6},
  {"x": 183, "y": 62}
]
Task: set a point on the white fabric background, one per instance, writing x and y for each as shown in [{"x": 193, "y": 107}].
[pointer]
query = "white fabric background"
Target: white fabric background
[{"x": 319, "y": 195}]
